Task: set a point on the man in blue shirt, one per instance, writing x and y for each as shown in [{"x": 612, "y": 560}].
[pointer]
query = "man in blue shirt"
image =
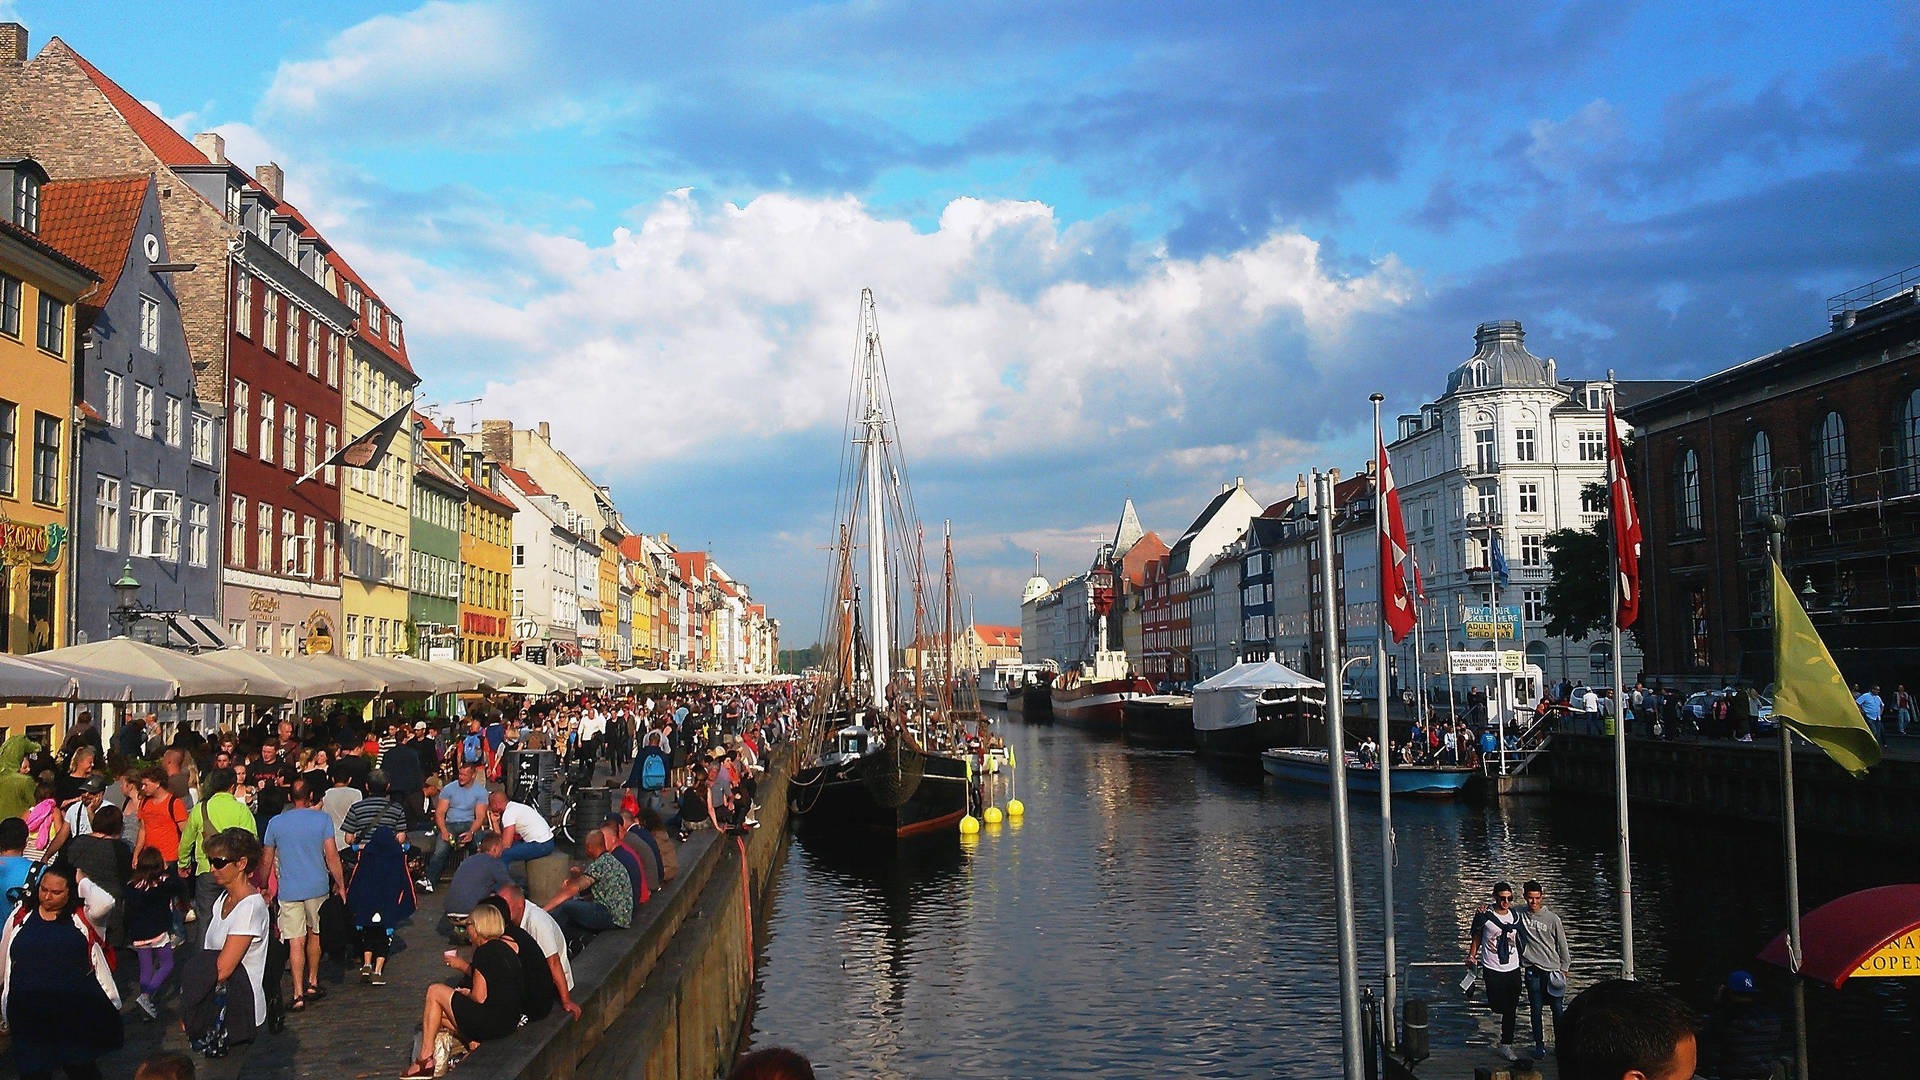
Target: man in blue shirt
[
  {"x": 14, "y": 863},
  {"x": 1871, "y": 707},
  {"x": 299, "y": 841},
  {"x": 456, "y": 812}
]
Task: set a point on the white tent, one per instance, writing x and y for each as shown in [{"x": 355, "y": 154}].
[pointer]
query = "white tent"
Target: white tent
[
  {"x": 1232, "y": 698},
  {"x": 443, "y": 679},
  {"x": 484, "y": 678},
  {"x": 592, "y": 678}
]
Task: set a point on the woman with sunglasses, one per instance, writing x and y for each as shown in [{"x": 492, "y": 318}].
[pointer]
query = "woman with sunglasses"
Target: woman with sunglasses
[
  {"x": 60, "y": 999},
  {"x": 239, "y": 929}
]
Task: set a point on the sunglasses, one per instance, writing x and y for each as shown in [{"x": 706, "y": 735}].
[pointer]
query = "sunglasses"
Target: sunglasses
[
  {"x": 1505, "y": 898},
  {"x": 219, "y": 862}
]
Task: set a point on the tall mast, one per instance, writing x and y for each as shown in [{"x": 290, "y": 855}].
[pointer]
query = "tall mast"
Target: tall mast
[
  {"x": 946, "y": 616},
  {"x": 875, "y": 422}
]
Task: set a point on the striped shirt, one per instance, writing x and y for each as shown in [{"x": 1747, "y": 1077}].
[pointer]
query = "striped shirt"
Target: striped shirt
[{"x": 369, "y": 814}]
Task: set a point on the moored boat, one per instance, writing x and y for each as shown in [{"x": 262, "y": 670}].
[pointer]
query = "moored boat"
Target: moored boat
[
  {"x": 1159, "y": 721},
  {"x": 1251, "y": 706},
  {"x": 1036, "y": 702},
  {"x": 1099, "y": 704},
  {"x": 1307, "y": 766}
]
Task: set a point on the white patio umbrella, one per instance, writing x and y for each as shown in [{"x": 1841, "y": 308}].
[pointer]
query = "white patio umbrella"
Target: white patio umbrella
[
  {"x": 401, "y": 682},
  {"x": 189, "y": 677},
  {"x": 592, "y": 678},
  {"x": 352, "y": 676},
  {"x": 93, "y": 684},
  {"x": 528, "y": 679},
  {"x": 482, "y": 678},
  {"x": 296, "y": 680},
  {"x": 443, "y": 680},
  {"x": 21, "y": 681}
]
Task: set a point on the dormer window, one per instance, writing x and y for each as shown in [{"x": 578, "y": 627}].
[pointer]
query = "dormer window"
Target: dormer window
[
  {"x": 393, "y": 332},
  {"x": 26, "y": 201},
  {"x": 1477, "y": 373},
  {"x": 373, "y": 318},
  {"x": 233, "y": 205}
]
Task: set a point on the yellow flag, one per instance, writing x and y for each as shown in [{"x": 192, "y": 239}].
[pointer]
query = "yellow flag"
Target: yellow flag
[{"x": 1810, "y": 696}]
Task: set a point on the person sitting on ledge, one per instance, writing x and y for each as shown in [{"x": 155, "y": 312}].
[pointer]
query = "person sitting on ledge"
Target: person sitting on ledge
[
  {"x": 487, "y": 1009},
  {"x": 608, "y": 902}
]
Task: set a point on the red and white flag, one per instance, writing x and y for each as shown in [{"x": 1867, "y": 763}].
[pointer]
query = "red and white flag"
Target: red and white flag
[
  {"x": 1396, "y": 606},
  {"x": 1626, "y": 526}
]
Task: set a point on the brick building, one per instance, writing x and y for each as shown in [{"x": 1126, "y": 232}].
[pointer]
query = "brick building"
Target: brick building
[{"x": 1825, "y": 433}]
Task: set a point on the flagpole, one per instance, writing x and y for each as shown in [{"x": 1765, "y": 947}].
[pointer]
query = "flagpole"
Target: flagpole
[
  {"x": 1614, "y": 466},
  {"x": 1776, "y": 542},
  {"x": 1381, "y": 475},
  {"x": 1337, "y": 790}
]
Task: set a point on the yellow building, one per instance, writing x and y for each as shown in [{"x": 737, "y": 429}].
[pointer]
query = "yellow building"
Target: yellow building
[
  {"x": 486, "y": 565},
  {"x": 38, "y": 288},
  {"x": 612, "y": 627},
  {"x": 376, "y": 504}
]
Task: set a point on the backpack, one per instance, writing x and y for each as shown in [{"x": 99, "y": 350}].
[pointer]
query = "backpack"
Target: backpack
[
  {"x": 651, "y": 769},
  {"x": 93, "y": 936},
  {"x": 473, "y": 749}
]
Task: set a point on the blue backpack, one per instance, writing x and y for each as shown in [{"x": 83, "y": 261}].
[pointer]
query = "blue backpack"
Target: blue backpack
[
  {"x": 473, "y": 749},
  {"x": 650, "y": 769}
]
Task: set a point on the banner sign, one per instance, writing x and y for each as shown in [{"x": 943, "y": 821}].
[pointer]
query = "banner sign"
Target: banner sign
[
  {"x": 1506, "y": 662},
  {"x": 1491, "y": 623}
]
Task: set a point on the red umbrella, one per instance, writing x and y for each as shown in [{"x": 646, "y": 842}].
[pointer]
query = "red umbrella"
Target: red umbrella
[{"x": 1837, "y": 938}]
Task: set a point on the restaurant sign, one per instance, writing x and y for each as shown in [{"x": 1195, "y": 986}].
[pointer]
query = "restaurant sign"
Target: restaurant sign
[
  {"x": 1897, "y": 958},
  {"x": 24, "y": 544}
]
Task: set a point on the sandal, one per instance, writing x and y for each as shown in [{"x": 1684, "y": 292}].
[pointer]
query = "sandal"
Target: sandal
[
  {"x": 316, "y": 992},
  {"x": 419, "y": 1070},
  {"x": 299, "y": 1003}
]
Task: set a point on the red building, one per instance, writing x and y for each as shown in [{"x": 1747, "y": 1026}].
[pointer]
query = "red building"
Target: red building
[{"x": 1156, "y": 617}]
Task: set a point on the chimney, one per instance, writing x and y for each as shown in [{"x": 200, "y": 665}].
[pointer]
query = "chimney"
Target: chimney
[
  {"x": 213, "y": 145},
  {"x": 1299, "y": 485},
  {"x": 13, "y": 44},
  {"x": 1239, "y": 481},
  {"x": 1553, "y": 371},
  {"x": 273, "y": 179},
  {"x": 546, "y": 433},
  {"x": 1335, "y": 474},
  {"x": 496, "y": 440}
]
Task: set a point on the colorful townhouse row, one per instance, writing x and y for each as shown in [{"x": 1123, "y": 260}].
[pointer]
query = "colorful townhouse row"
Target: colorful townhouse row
[{"x": 183, "y": 359}]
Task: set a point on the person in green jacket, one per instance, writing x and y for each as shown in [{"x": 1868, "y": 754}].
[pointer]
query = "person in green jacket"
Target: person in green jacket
[
  {"x": 16, "y": 787},
  {"x": 216, "y": 812}
]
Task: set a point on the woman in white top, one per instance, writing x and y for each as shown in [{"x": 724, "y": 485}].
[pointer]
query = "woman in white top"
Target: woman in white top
[{"x": 239, "y": 928}]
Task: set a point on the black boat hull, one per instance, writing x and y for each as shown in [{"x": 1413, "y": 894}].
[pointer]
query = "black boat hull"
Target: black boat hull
[
  {"x": 850, "y": 801},
  {"x": 1036, "y": 704},
  {"x": 1274, "y": 725},
  {"x": 1161, "y": 725}
]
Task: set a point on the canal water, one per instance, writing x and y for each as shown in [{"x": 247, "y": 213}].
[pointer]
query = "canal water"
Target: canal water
[{"x": 1152, "y": 916}]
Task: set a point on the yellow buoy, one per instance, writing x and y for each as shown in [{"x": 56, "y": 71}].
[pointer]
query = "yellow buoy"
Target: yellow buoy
[
  {"x": 992, "y": 815},
  {"x": 1016, "y": 808},
  {"x": 969, "y": 825}
]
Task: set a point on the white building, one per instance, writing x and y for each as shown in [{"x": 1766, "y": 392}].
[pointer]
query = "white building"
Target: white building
[
  {"x": 1508, "y": 451},
  {"x": 555, "y": 556}
]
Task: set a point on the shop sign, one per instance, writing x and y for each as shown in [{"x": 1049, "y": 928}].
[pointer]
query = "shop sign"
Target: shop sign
[
  {"x": 319, "y": 631},
  {"x": 1897, "y": 958},
  {"x": 21, "y": 543},
  {"x": 483, "y": 624},
  {"x": 1505, "y": 662},
  {"x": 263, "y": 605}
]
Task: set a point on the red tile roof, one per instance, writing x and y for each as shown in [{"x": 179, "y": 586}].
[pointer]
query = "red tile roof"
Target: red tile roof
[
  {"x": 521, "y": 480},
  {"x": 92, "y": 222},
  {"x": 630, "y": 547},
  {"x": 167, "y": 144},
  {"x": 428, "y": 429},
  {"x": 36, "y": 243},
  {"x": 998, "y": 636},
  {"x": 503, "y": 503}
]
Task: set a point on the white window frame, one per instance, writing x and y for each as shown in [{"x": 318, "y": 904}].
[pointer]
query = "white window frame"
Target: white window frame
[
  {"x": 268, "y": 416},
  {"x": 199, "y": 532},
  {"x": 243, "y": 303},
  {"x": 237, "y": 531},
  {"x": 149, "y": 323},
  {"x": 174, "y": 410},
  {"x": 289, "y": 437},
  {"x": 1592, "y": 446},
  {"x": 201, "y": 427},
  {"x": 106, "y": 502},
  {"x": 116, "y": 399},
  {"x": 1529, "y": 497},
  {"x": 143, "y": 419},
  {"x": 242, "y": 408}
]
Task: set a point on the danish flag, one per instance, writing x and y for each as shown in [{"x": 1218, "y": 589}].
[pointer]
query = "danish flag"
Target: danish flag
[
  {"x": 1396, "y": 606},
  {"x": 1626, "y": 526}
]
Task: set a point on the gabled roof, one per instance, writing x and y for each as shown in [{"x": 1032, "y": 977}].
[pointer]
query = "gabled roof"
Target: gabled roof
[
  {"x": 1133, "y": 565},
  {"x": 8, "y": 228},
  {"x": 92, "y": 222},
  {"x": 1177, "y": 555},
  {"x": 501, "y": 502},
  {"x": 428, "y": 429},
  {"x": 995, "y": 637},
  {"x": 521, "y": 480},
  {"x": 631, "y": 548},
  {"x": 398, "y": 354},
  {"x": 167, "y": 144}
]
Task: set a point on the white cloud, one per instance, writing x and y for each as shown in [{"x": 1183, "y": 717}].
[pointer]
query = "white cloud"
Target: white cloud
[
  {"x": 741, "y": 319},
  {"x": 439, "y": 51}
]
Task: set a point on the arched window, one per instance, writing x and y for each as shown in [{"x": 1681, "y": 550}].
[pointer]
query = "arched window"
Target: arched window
[
  {"x": 1477, "y": 373},
  {"x": 1600, "y": 659},
  {"x": 1756, "y": 479},
  {"x": 1830, "y": 457},
  {"x": 1908, "y": 429},
  {"x": 1537, "y": 654},
  {"x": 1687, "y": 493}
]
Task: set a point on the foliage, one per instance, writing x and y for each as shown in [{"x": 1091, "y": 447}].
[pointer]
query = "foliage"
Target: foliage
[{"x": 1579, "y": 599}]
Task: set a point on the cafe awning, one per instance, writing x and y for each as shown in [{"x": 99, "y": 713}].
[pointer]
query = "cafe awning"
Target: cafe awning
[
  {"x": 354, "y": 677},
  {"x": 532, "y": 680},
  {"x": 402, "y": 681},
  {"x": 296, "y": 680},
  {"x": 189, "y": 678},
  {"x": 1874, "y": 933}
]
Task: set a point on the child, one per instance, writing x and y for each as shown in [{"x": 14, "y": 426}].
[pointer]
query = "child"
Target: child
[{"x": 151, "y": 896}]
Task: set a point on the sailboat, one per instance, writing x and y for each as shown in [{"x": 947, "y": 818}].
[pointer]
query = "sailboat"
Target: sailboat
[{"x": 883, "y": 758}]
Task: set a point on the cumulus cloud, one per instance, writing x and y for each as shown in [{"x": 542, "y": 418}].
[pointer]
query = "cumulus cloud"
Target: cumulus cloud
[{"x": 743, "y": 316}]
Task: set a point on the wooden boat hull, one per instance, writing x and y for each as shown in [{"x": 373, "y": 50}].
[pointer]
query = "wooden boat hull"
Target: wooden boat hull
[
  {"x": 1098, "y": 706},
  {"x": 1161, "y": 723},
  {"x": 1309, "y": 769},
  {"x": 872, "y": 798}
]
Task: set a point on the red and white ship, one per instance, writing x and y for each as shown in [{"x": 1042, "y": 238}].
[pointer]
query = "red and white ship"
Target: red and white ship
[{"x": 1094, "y": 693}]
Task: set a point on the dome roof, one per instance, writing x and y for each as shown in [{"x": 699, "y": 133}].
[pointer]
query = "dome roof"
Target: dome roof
[
  {"x": 1499, "y": 359},
  {"x": 1036, "y": 587}
]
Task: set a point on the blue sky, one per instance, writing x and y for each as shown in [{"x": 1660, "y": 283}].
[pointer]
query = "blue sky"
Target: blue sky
[{"x": 1119, "y": 248}]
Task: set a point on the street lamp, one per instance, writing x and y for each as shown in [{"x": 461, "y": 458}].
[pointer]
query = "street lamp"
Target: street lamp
[
  {"x": 126, "y": 590},
  {"x": 1808, "y": 594}
]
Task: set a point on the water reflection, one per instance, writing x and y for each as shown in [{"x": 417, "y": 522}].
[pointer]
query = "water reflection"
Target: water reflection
[{"x": 1153, "y": 916}]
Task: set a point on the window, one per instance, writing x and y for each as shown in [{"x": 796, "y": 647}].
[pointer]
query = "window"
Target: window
[
  {"x": 329, "y": 546},
  {"x": 237, "y": 531},
  {"x": 1830, "y": 456},
  {"x": 393, "y": 332},
  {"x": 143, "y": 410},
  {"x": 1756, "y": 477},
  {"x": 149, "y": 324},
  {"x": 270, "y": 320},
  {"x": 266, "y": 428},
  {"x": 1697, "y": 626},
  {"x": 1600, "y": 660},
  {"x": 1487, "y": 499},
  {"x": 106, "y": 518},
  {"x": 307, "y": 528},
  {"x": 289, "y": 542},
  {"x": 1530, "y": 498},
  {"x": 202, "y": 431},
  {"x": 313, "y": 349},
  {"x": 358, "y": 392},
  {"x": 1687, "y": 491},
  {"x": 233, "y": 215},
  {"x": 53, "y": 325},
  {"x": 310, "y": 442},
  {"x": 332, "y": 445},
  {"x": 286, "y": 641},
  {"x": 155, "y": 520},
  {"x": 293, "y": 336},
  {"x": 1523, "y": 448},
  {"x": 290, "y": 437},
  {"x": 373, "y": 317},
  {"x": 242, "y": 304},
  {"x": 199, "y": 529},
  {"x": 46, "y": 459},
  {"x": 1536, "y": 605},
  {"x": 26, "y": 202},
  {"x": 333, "y": 361},
  {"x": 1533, "y": 550},
  {"x": 116, "y": 400},
  {"x": 1593, "y": 446},
  {"x": 353, "y": 637},
  {"x": 9, "y": 305},
  {"x": 241, "y": 393},
  {"x": 173, "y": 418},
  {"x": 263, "y": 536},
  {"x": 1906, "y": 428},
  {"x": 519, "y": 603},
  {"x": 1485, "y": 458},
  {"x": 1593, "y": 499}
]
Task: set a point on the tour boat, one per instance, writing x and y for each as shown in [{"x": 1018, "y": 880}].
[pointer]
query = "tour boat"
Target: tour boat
[
  {"x": 1094, "y": 692},
  {"x": 1159, "y": 721},
  {"x": 883, "y": 757},
  {"x": 1305, "y": 765}
]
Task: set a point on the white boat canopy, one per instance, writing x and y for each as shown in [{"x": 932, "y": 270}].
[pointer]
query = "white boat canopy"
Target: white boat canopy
[{"x": 1232, "y": 698}]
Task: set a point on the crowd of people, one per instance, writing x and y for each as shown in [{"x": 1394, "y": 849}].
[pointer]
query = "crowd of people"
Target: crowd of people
[{"x": 229, "y": 865}]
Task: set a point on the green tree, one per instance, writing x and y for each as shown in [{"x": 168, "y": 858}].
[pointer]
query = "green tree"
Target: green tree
[{"x": 1579, "y": 598}]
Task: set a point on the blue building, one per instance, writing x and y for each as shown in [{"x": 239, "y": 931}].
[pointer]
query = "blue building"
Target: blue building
[{"x": 147, "y": 477}]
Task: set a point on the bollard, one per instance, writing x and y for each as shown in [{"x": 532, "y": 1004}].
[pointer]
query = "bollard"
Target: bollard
[{"x": 1413, "y": 1034}]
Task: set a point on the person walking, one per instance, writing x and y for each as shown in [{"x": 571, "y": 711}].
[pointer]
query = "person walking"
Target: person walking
[
  {"x": 56, "y": 986},
  {"x": 1545, "y": 958},
  {"x": 1493, "y": 946},
  {"x": 216, "y": 812},
  {"x": 299, "y": 844},
  {"x": 223, "y": 994},
  {"x": 1902, "y": 708},
  {"x": 1871, "y": 707},
  {"x": 152, "y": 901}
]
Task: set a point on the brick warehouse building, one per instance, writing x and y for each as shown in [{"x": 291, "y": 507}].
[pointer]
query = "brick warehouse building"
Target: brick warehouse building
[{"x": 1825, "y": 433}]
